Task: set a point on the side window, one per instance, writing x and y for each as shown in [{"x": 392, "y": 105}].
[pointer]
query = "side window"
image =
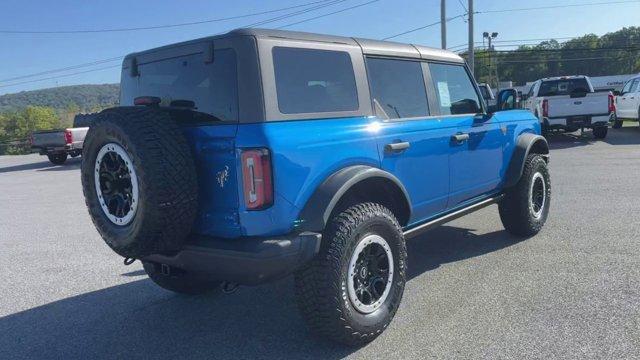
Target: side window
[
  {"x": 636, "y": 86},
  {"x": 309, "y": 81},
  {"x": 456, "y": 93},
  {"x": 397, "y": 88},
  {"x": 627, "y": 87},
  {"x": 530, "y": 93}
]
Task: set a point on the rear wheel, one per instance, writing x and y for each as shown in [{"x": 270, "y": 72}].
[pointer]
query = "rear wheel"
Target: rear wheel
[
  {"x": 600, "y": 132},
  {"x": 351, "y": 291},
  {"x": 57, "y": 158},
  {"x": 525, "y": 207},
  {"x": 179, "y": 281}
]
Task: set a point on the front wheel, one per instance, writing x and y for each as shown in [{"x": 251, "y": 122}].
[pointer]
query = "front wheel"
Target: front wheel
[
  {"x": 352, "y": 289},
  {"x": 600, "y": 132},
  {"x": 57, "y": 158},
  {"x": 179, "y": 281},
  {"x": 525, "y": 207}
]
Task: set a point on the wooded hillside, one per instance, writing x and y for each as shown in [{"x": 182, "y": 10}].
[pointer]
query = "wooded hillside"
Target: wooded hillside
[{"x": 84, "y": 98}]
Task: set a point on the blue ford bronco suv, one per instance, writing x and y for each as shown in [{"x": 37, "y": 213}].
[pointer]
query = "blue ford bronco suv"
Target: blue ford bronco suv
[{"x": 245, "y": 157}]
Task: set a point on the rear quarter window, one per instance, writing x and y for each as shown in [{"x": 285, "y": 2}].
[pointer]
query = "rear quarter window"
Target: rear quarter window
[
  {"x": 455, "y": 91},
  {"x": 314, "y": 81},
  {"x": 213, "y": 87}
]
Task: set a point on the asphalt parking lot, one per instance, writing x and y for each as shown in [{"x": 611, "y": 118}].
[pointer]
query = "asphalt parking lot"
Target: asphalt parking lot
[{"x": 573, "y": 291}]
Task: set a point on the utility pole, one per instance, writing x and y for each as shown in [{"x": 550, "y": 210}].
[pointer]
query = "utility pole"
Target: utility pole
[
  {"x": 471, "y": 54},
  {"x": 443, "y": 24}
]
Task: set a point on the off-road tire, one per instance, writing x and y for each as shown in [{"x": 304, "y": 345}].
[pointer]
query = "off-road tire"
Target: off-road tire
[
  {"x": 57, "y": 158},
  {"x": 179, "y": 281},
  {"x": 321, "y": 286},
  {"x": 166, "y": 176},
  {"x": 600, "y": 132},
  {"x": 515, "y": 212}
]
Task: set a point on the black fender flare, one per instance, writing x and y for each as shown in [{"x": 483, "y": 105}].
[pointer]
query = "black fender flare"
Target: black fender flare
[
  {"x": 525, "y": 143},
  {"x": 316, "y": 212}
]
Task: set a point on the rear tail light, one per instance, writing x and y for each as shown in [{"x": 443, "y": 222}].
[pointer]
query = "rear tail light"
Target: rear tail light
[
  {"x": 68, "y": 136},
  {"x": 612, "y": 104},
  {"x": 147, "y": 100},
  {"x": 256, "y": 179},
  {"x": 545, "y": 108}
]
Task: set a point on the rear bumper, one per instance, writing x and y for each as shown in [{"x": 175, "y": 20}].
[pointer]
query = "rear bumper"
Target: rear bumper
[
  {"x": 589, "y": 121},
  {"x": 44, "y": 150},
  {"x": 249, "y": 261}
]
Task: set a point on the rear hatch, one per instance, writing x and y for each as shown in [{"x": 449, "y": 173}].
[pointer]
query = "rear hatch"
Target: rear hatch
[{"x": 203, "y": 97}]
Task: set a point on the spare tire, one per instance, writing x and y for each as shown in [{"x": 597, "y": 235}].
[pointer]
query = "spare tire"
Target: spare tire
[{"x": 139, "y": 181}]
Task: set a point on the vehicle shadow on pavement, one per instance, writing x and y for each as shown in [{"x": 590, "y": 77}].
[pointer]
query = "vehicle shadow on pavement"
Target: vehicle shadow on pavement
[
  {"x": 28, "y": 166},
  {"x": 628, "y": 135},
  {"x": 447, "y": 244},
  {"x": 71, "y": 164},
  {"x": 561, "y": 140},
  {"x": 140, "y": 320}
]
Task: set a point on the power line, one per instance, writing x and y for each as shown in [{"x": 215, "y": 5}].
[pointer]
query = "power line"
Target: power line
[
  {"x": 422, "y": 27},
  {"x": 463, "y": 6},
  {"x": 60, "y": 76},
  {"x": 73, "y": 67},
  {"x": 609, "y": 48},
  {"x": 300, "y": 12},
  {"x": 89, "y": 31},
  {"x": 552, "y": 60},
  {"x": 558, "y": 6},
  {"x": 516, "y": 9},
  {"x": 516, "y": 40},
  {"x": 328, "y": 14},
  {"x": 321, "y": 4},
  {"x": 53, "y": 71}
]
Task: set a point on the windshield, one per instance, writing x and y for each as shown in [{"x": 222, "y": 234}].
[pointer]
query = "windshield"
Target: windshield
[{"x": 563, "y": 87}]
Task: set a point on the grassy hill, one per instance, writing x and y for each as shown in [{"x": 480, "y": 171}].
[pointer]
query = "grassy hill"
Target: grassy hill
[{"x": 85, "y": 98}]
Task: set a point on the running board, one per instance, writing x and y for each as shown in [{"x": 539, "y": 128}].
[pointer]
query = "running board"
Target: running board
[{"x": 422, "y": 228}]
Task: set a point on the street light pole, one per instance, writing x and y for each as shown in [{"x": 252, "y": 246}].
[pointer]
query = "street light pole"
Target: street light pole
[
  {"x": 443, "y": 23},
  {"x": 490, "y": 37}
]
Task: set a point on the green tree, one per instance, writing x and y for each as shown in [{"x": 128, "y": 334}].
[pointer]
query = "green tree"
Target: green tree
[
  {"x": 3, "y": 126},
  {"x": 33, "y": 118},
  {"x": 614, "y": 53}
]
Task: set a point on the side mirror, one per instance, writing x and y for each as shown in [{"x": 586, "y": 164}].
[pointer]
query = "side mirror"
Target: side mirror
[
  {"x": 507, "y": 99},
  {"x": 616, "y": 93}
]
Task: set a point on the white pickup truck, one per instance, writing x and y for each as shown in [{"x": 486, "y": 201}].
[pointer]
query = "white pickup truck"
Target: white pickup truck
[
  {"x": 59, "y": 144},
  {"x": 569, "y": 103},
  {"x": 628, "y": 101}
]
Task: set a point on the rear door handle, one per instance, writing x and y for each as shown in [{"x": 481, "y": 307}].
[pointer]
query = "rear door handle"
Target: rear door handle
[
  {"x": 460, "y": 137},
  {"x": 397, "y": 147}
]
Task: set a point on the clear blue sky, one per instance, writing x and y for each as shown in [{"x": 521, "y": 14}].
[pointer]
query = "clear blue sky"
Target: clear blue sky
[{"x": 23, "y": 54}]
